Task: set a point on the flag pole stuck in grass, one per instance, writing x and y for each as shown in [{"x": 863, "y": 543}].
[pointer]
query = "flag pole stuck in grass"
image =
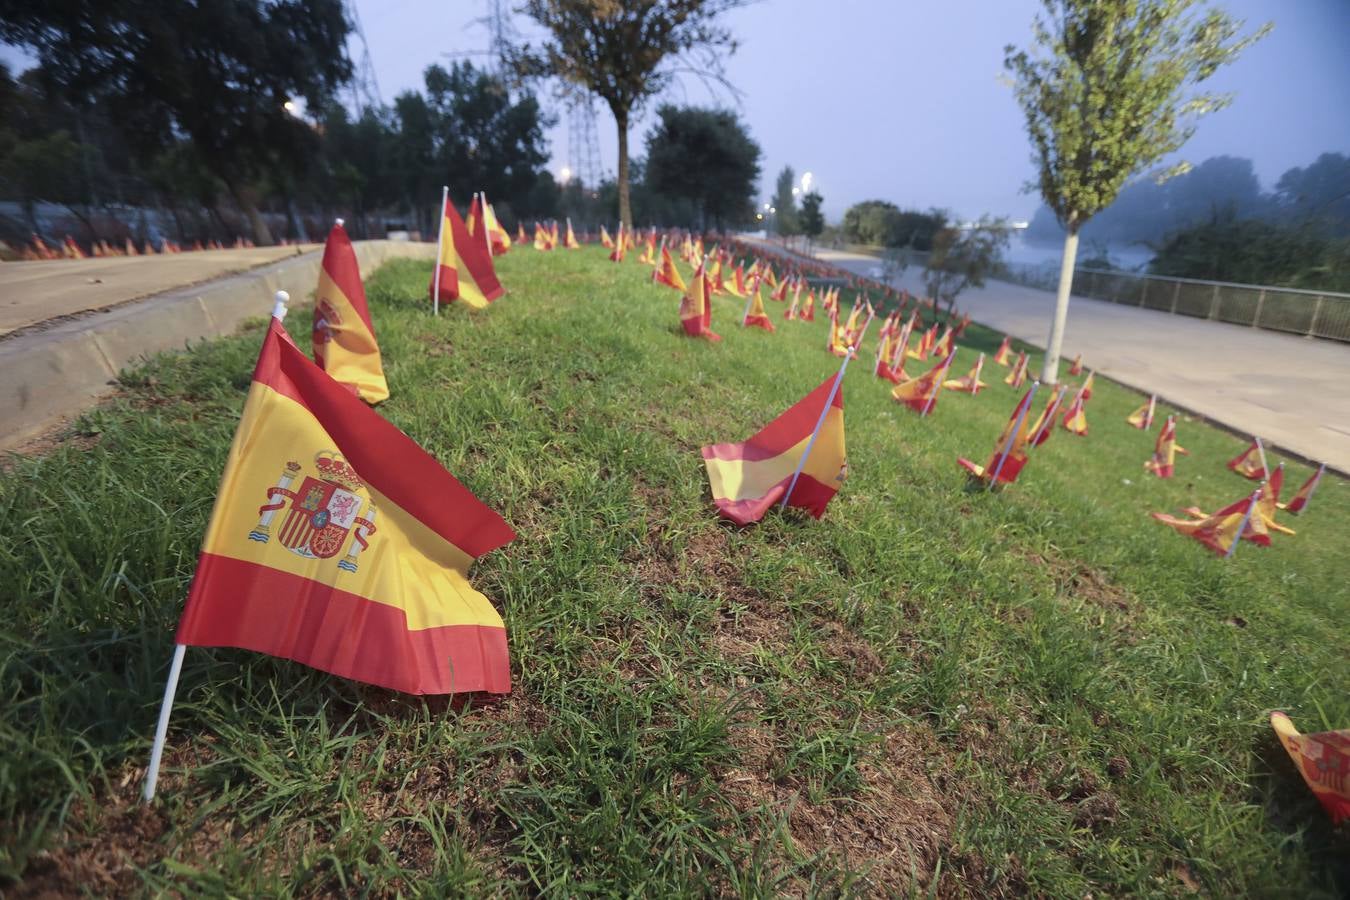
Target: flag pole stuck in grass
[
  {"x": 1012, "y": 435},
  {"x": 824, "y": 411},
  {"x": 176, "y": 666},
  {"x": 440, "y": 237},
  {"x": 1242, "y": 528}
]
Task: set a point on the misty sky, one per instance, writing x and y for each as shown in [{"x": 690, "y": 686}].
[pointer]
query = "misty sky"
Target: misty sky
[{"x": 906, "y": 101}]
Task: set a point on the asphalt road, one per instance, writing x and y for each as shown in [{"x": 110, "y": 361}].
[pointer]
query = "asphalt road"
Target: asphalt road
[{"x": 1293, "y": 392}]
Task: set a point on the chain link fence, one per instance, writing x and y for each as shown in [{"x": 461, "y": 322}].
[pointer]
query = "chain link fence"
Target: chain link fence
[{"x": 1323, "y": 314}]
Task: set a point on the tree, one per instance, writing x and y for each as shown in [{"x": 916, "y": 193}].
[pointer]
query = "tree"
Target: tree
[
  {"x": 812, "y": 219},
  {"x": 219, "y": 74},
  {"x": 625, "y": 52},
  {"x": 883, "y": 224},
  {"x": 1320, "y": 192},
  {"x": 962, "y": 258},
  {"x": 707, "y": 157},
  {"x": 1106, "y": 95},
  {"x": 784, "y": 204}
]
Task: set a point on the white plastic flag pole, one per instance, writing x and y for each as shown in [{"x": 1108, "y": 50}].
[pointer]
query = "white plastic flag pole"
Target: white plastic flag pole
[
  {"x": 749, "y": 299},
  {"x": 1317, "y": 479},
  {"x": 1050, "y": 415},
  {"x": 1260, "y": 449},
  {"x": 1246, "y": 517},
  {"x": 1012, "y": 436},
  {"x": 162, "y": 728},
  {"x": 820, "y": 423},
  {"x": 979, "y": 365},
  {"x": 440, "y": 236},
  {"x": 937, "y": 388},
  {"x": 487, "y": 238},
  {"x": 1148, "y": 419}
]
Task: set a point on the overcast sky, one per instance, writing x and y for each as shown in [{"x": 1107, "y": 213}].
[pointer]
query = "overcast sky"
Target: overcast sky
[{"x": 906, "y": 101}]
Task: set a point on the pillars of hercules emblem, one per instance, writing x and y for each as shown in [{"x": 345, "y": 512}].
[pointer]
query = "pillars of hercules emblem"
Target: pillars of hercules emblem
[
  {"x": 276, "y": 499},
  {"x": 362, "y": 528}
]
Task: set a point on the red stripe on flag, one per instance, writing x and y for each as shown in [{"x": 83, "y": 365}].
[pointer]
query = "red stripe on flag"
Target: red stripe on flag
[
  {"x": 809, "y": 494},
  {"x": 786, "y": 431},
  {"x": 384, "y": 457},
  {"x": 253, "y": 607}
]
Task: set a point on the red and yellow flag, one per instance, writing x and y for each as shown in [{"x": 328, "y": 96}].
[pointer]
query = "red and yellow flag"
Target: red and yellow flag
[
  {"x": 1077, "y": 367},
  {"x": 1224, "y": 528},
  {"x": 464, "y": 267},
  {"x": 968, "y": 384},
  {"x": 1075, "y": 417},
  {"x": 696, "y": 308},
  {"x": 649, "y": 250},
  {"x": 1018, "y": 376},
  {"x": 750, "y": 477},
  {"x": 497, "y": 236},
  {"x": 344, "y": 335},
  {"x": 1087, "y": 386},
  {"x": 605, "y": 240},
  {"x": 808, "y": 314},
  {"x": 1142, "y": 418},
  {"x": 1300, "y": 500},
  {"x": 1269, "y": 501},
  {"x": 521, "y": 238},
  {"x": 666, "y": 272},
  {"x": 1041, "y": 428},
  {"x": 339, "y": 543},
  {"x": 543, "y": 238},
  {"x": 570, "y": 241},
  {"x": 1249, "y": 463},
  {"x": 1165, "y": 450},
  {"x": 620, "y": 247},
  {"x": 921, "y": 394},
  {"x": 944, "y": 345},
  {"x": 1010, "y": 452},
  {"x": 735, "y": 285},
  {"x": 1323, "y": 759},
  {"x": 1003, "y": 352},
  {"x": 755, "y": 316}
]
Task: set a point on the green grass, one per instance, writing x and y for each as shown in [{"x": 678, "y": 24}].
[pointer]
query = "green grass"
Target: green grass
[{"x": 931, "y": 690}]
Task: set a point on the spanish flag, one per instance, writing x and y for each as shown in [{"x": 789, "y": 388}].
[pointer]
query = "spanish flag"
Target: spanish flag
[
  {"x": 620, "y": 247},
  {"x": 1010, "y": 452},
  {"x": 1087, "y": 386},
  {"x": 1300, "y": 500},
  {"x": 666, "y": 273},
  {"x": 339, "y": 543},
  {"x": 343, "y": 334},
  {"x": 1250, "y": 463},
  {"x": 944, "y": 345},
  {"x": 968, "y": 384},
  {"x": 809, "y": 313},
  {"x": 520, "y": 233},
  {"x": 1040, "y": 430},
  {"x": 1142, "y": 418},
  {"x": 1165, "y": 450},
  {"x": 750, "y": 477},
  {"x": 605, "y": 240},
  {"x": 1075, "y": 417},
  {"x": 497, "y": 236},
  {"x": 1003, "y": 351},
  {"x": 735, "y": 285},
  {"x": 1077, "y": 367},
  {"x": 1221, "y": 531},
  {"x": 696, "y": 309},
  {"x": 570, "y": 241},
  {"x": 648, "y": 256},
  {"x": 1269, "y": 501},
  {"x": 1018, "y": 376},
  {"x": 921, "y": 394},
  {"x": 463, "y": 268},
  {"x": 543, "y": 240},
  {"x": 755, "y": 316},
  {"x": 1323, "y": 759}
]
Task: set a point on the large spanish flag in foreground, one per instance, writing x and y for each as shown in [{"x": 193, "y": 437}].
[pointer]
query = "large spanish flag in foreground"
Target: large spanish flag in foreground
[
  {"x": 750, "y": 477},
  {"x": 1323, "y": 760},
  {"x": 343, "y": 334},
  {"x": 1224, "y": 528},
  {"x": 339, "y": 543},
  {"x": 464, "y": 267}
]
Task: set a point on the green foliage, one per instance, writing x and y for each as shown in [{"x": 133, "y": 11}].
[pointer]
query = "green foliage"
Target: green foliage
[
  {"x": 1034, "y": 692},
  {"x": 707, "y": 157},
  {"x": 784, "y": 202},
  {"x": 1318, "y": 194},
  {"x": 962, "y": 258},
  {"x": 1253, "y": 251},
  {"x": 812, "y": 219},
  {"x": 1106, "y": 92},
  {"x": 624, "y": 52},
  {"x": 880, "y": 223}
]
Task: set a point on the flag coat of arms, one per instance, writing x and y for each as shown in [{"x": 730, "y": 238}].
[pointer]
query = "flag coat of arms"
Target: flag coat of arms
[
  {"x": 749, "y": 477},
  {"x": 337, "y": 542},
  {"x": 344, "y": 335},
  {"x": 1323, "y": 760},
  {"x": 465, "y": 268}
]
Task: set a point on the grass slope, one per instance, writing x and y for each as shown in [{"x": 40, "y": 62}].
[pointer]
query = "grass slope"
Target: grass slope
[{"x": 930, "y": 690}]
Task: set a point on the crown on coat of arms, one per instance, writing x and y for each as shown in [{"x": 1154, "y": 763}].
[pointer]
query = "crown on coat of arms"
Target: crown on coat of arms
[{"x": 335, "y": 469}]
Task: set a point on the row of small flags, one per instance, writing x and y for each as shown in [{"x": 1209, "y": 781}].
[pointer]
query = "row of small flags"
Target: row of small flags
[
  {"x": 38, "y": 249},
  {"x": 315, "y": 476}
]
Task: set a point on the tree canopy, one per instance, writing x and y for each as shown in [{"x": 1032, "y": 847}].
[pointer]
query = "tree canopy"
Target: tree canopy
[
  {"x": 883, "y": 224},
  {"x": 707, "y": 157}
]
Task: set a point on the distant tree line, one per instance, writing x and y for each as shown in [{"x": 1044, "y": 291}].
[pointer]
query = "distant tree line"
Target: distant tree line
[{"x": 880, "y": 223}]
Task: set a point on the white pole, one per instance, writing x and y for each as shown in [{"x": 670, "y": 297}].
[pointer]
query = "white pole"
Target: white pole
[
  {"x": 487, "y": 238},
  {"x": 820, "y": 423},
  {"x": 1246, "y": 517},
  {"x": 937, "y": 388},
  {"x": 979, "y": 365},
  {"x": 1049, "y": 415},
  {"x": 436, "y": 276},
  {"x": 1007, "y": 448},
  {"x": 279, "y": 302},
  {"x": 162, "y": 729},
  {"x": 1148, "y": 419},
  {"x": 1265, "y": 467}
]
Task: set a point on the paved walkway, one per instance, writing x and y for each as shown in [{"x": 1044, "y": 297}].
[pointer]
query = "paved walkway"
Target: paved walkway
[
  {"x": 1292, "y": 391},
  {"x": 34, "y": 292}
]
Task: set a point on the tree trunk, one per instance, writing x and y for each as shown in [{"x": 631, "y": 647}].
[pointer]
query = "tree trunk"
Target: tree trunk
[
  {"x": 625, "y": 206},
  {"x": 262, "y": 235},
  {"x": 1050, "y": 369}
]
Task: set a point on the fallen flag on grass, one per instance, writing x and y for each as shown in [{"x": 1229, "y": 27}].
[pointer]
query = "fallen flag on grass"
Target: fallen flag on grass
[
  {"x": 921, "y": 394},
  {"x": 1250, "y": 463},
  {"x": 968, "y": 384},
  {"x": 696, "y": 308},
  {"x": 1018, "y": 376},
  {"x": 463, "y": 268},
  {"x": 748, "y": 478},
  {"x": 1165, "y": 450},
  {"x": 1323, "y": 759},
  {"x": 1142, "y": 418},
  {"x": 343, "y": 335},
  {"x": 1002, "y": 353},
  {"x": 1221, "y": 531},
  {"x": 1010, "y": 452},
  {"x": 1300, "y": 500},
  {"x": 357, "y": 560}
]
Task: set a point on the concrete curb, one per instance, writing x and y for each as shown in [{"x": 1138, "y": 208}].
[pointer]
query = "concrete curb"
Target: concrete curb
[{"x": 57, "y": 372}]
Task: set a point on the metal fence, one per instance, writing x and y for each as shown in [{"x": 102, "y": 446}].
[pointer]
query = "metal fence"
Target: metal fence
[{"x": 1323, "y": 314}]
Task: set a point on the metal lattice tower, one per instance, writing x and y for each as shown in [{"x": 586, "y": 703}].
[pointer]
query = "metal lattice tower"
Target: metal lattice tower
[
  {"x": 365, "y": 89},
  {"x": 583, "y": 142}
]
